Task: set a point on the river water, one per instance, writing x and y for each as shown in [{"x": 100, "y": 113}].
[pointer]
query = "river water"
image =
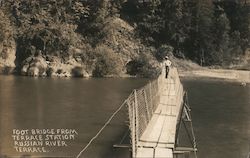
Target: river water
[
  {"x": 221, "y": 117},
  {"x": 220, "y": 111}
]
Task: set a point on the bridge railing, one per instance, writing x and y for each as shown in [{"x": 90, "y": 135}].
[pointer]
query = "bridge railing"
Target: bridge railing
[{"x": 143, "y": 102}]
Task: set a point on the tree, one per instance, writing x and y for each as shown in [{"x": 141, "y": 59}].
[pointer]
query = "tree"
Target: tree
[
  {"x": 239, "y": 17},
  {"x": 221, "y": 30},
  {"x": 6, "y": 31},
  {"x": 199, "y": 44},
  {"x": 148, "y": 19},
  {"x": 108, "y": 62},
  {"x": 161, "y": 22},
  {"x": 244, "y": 27}
]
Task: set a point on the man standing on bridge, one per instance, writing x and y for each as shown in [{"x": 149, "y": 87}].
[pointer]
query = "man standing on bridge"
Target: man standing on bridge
[{"x": 167, "y": 63}]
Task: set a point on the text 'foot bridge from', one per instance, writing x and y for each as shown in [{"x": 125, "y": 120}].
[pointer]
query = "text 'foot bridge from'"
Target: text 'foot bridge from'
[{"x": 157, "y": 112}]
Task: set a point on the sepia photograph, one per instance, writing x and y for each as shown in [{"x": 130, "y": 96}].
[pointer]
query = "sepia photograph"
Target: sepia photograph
[{"x": 124, "y": 78}]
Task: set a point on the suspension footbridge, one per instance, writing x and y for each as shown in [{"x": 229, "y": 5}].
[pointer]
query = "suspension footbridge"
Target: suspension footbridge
[{"x": 156, "y": 114}]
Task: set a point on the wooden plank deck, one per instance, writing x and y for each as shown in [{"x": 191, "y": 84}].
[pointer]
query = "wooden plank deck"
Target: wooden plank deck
[{"x": 158, "y": 139}]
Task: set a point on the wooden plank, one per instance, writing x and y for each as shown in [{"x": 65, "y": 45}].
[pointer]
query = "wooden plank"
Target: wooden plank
[
  {"x": 169, "y": 110},
  {"x": 172, "y": 87},
  {"x": 184, "y": 149},
  {"x": 147, "y": 144},
  {"x": 168, "y": 131},
  {"x": 158, "y": 140},
  {"x": 163, "y": 153},
  {"x": 164, "y": 99},
  {"x": 163, "y": 104},
  {"x": 153, "y": 131},
  {"x": 169, "y": 145},
  {"x": 154, "y": 152},
  {"x": 145, "y": 153},
  {"x": 150, "y": 127},
  {"x": 122, "y": 146},
  {"x": 158, "y": 128}
]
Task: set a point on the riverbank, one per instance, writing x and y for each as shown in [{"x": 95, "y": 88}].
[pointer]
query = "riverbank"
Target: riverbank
[
  {"x": 186, "y": 68},
  {"x": 228, "y": 75},
  {"x": 189, "y": 69}
]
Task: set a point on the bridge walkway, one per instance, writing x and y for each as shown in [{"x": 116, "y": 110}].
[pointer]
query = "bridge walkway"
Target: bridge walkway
[
  {"x": 158, "y": 139},
  {"x": 156, "y": 113}
]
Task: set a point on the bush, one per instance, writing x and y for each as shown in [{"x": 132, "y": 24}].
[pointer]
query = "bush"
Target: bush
[
  {"x": 108, "y": 62},
  {"x": 6, "y": 31},
  {"x": 164, "y": 50},
  {"x": 77, "y": 71},
  {"x": 6, "y": 36},
  {"x": 142, "y": 67}
]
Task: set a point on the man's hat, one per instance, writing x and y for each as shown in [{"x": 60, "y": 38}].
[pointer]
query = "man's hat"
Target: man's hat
[{"x": 166, "y": 57}]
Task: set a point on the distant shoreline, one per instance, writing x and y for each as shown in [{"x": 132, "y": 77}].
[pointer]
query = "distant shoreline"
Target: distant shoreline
[
  {"x": 229, "y": 75},
  {"x": 242, "y": 76}
]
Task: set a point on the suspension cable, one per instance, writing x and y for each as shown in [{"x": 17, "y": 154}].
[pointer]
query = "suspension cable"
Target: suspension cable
[{"x": 100, "y": 131}]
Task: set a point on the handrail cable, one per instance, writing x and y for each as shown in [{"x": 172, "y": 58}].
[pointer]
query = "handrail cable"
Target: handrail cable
[{"x": 103, "y": 127}]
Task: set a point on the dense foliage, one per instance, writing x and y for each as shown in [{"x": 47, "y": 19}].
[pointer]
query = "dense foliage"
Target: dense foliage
[
  {"x": 205, "y": 31},
  {"x": 6, "y": 34},
  {"x": 208, "y": 32}
]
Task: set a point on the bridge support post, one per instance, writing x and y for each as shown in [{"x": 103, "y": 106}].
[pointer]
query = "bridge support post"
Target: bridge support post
[
  {"x": 136, "y": 115},
  {"x": 146, "y": 104},
  {"x": 184, "y": 117},
  {"x": 133, "y": 131}
]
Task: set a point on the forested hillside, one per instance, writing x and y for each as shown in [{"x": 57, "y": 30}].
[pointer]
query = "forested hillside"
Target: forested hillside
[{"x": 116, "y": 37}]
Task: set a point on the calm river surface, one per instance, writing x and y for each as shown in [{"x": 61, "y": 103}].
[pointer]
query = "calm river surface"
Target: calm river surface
[{"x": 221, "y": 114}]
